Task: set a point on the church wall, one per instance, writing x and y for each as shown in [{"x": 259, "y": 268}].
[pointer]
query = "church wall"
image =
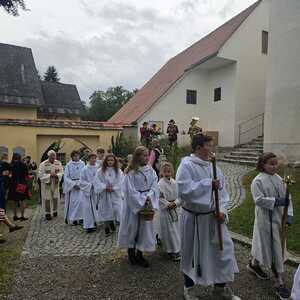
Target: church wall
[{"x": 14, "y": 112}]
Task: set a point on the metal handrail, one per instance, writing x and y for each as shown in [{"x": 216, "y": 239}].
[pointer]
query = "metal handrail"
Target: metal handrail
[{"x": 261, "y": 124}]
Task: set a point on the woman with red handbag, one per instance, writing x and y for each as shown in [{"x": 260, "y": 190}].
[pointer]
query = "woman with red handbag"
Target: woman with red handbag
[{"x": 18, "y": 190}]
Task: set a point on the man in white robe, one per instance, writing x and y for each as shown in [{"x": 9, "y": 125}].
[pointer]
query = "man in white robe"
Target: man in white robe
[
  {"x": 296, "y": 286},
  {"x": 137, "y": 234},
  {"x": 50, "y": 174},
  {"x": 72, "y": 191},
  {"x": 202, "y": 261},
  {"x": 87, "y": 185}
]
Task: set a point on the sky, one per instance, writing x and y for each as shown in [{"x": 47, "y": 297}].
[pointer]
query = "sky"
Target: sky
[{"x": 97, "y": 44}]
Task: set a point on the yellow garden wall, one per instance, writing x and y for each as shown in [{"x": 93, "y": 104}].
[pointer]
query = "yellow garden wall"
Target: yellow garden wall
[{"x": 7, "y": 112}]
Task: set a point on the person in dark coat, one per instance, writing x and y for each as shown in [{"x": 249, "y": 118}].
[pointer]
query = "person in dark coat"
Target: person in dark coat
[{"x": 18, "y": 189}]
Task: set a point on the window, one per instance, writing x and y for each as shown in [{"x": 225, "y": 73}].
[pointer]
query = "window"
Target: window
[
  {"x": 265, "y": 42},
  {"x": 191, "y": 97},
  {"x": 217, "y": 95}
]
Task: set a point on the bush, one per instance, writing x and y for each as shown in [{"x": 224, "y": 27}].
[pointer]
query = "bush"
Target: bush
[{"x": 122, "y": 146}]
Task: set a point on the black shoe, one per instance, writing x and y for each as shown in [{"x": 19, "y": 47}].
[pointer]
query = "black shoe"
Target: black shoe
[
  {"x": 112, "y": 226},
  {"x": 158, "y": 241},
  {"x": 131, "y": 256},
  {"x": 75, "y": 223},
  {"x": 282, "y": 292},
  {"x": 257, "y": 270},
  {"x": 90, "y": 230},
  {"x": 2, "y": 240},
  {"x": 80, "y": 222},
  {"x": 48, "y": 217},
  {"x": 107, "y": 231},
  {"x": 23, "y": 219},
  {"x": 55, "y": 215},
  {"x": 141, "y": 260},
  {"x": 15, "y": 228},
  {"x": 16, "y": 218}
]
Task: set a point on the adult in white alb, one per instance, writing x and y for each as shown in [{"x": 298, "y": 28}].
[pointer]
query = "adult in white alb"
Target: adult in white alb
[
  {"x": 202, "y": 261},
  {"x": 140, "y": 194},
  {"x": 72, "y": 191},
  {"x": 108, "y": 187},
  {"x": 296, "y": 286}
]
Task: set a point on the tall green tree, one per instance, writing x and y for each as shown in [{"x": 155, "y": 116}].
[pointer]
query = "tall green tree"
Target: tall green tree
[
  {"x": 51, "y": 75},
  {"x": 12, "y": 6},
  {"x": 104, "y": 104}
]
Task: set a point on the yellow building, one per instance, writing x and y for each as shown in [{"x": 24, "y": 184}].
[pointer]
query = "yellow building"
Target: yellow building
[{"x": 35, "y": 114}]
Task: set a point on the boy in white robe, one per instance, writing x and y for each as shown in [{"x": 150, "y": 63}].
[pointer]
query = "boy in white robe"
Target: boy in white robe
[
  {"x": 50, "y": 175},
  {"x": 296, "y": 286},
  {"x": 168, "y": 206},
  {"x": 202, "y": 261},
  {"x": 87, "y": 184},
  {"x": 140, "y": 190},
  {"x": 100, "y": 157},
  {"x": 269, "y": 194},
  {"x": 72, "y": 191},
  {"x": 108, "y": 189}
]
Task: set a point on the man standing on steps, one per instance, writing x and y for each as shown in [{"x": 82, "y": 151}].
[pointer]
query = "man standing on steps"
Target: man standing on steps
[{"x": 50, "y": 174}]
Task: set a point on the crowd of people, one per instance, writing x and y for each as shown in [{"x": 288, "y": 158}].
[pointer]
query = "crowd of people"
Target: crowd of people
[{"x": 151, "y": 206}]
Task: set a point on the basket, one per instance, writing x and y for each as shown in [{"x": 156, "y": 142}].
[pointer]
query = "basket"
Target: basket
[{"x": 147, "y": 214}]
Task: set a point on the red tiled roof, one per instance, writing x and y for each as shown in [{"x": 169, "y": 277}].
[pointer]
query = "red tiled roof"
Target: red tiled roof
[
  {"x": 175, "y": 68},
  {"x": 62, "y": 124}
]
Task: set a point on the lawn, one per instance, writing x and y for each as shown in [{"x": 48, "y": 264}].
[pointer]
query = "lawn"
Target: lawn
[
  {"x": 10, "y": 251},
  {"x": 242, "y": 218}
]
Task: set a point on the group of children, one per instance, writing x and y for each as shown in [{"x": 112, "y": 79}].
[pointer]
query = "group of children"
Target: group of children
[{"x": 191, "y": 236}]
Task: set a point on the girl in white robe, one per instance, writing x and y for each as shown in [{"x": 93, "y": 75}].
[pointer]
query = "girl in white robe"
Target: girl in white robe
[
  {"x": 72, "y": 191},
  {"x": 87, "y": 184},
  {"x": 296, "y": 286},
  {"x": 108, "y": 189},
  {"x": 140, "y": 189},
  {"x": 269, "y": 194},
  {"x": 168, "y": 209},
  {"x": 202, "y": 262}
]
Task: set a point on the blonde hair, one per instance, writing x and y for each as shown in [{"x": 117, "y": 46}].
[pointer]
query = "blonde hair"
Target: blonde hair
[
  {"x": 164, "y": 165},
  {"x": 136, "y": 159}
]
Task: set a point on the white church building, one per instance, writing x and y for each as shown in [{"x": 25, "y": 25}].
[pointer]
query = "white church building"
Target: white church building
[{"x": 221, "y": 79}]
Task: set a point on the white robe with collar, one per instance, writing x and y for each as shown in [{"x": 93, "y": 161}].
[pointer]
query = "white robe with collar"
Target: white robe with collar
[
  {"x": 265, "y": 188},
  {"x": 169, "y": 221},
  {"x": 73, "y": 197},
  {"x": 199, "y": 239},
  {"x": 296, "y": 286},
  {"x": 87, "y": 184},
  {"x": 134, "y": 231},
  {"x": 109, "y": 208}
]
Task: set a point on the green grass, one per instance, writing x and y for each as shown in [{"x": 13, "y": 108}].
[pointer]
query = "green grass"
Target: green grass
[
  {"x": 242, "y": 218},
  {"x": 10, "y": 251}
]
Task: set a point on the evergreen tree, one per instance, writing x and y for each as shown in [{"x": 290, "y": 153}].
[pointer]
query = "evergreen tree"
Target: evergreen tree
[
  {"x": 12, "y": 6},
  {"x": 51, "y": 75}
]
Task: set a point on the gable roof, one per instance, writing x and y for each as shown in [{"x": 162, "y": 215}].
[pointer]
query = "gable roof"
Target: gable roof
[
  {"x": 19, "y": 83},
  {"x": 60, "y": 98},
  {"x": 175, "y": 68}
]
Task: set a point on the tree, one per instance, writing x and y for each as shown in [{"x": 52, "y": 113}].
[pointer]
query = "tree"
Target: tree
[
  {"x": 12, "y": 6},
  {"x": 104, "y": 104},
  {"x": 51, "y": 75}
]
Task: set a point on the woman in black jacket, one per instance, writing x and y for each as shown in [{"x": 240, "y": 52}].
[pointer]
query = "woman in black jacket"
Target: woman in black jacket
[{"x": 18, "y": 190}]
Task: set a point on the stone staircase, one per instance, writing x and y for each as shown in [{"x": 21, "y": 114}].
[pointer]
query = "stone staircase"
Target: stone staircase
[{"x": 246, "y": 154}]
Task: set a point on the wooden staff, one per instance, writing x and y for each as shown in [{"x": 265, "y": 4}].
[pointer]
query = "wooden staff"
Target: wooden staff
[
  {"x": 285, "y": 216},
  {"x": 217, "y": 201}
]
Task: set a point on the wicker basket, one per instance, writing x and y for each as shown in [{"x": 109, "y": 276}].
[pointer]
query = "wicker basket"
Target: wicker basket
[{"x": 147, "y": 214}]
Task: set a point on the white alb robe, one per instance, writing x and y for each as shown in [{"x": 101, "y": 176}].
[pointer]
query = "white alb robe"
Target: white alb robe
[
  {"x": 265, "y": 188},
  {"x": 87, "y": 184},
  {"x": 109, "y": 208},
  {"x": 73, "y": 197},
  {"x": 99, "y": 163},
  {"x": 134, "y": 231},
  {"x": 199, "y": 237},
  {"x": 169, "y": 221},
  {"x": 296, "y": 286}
]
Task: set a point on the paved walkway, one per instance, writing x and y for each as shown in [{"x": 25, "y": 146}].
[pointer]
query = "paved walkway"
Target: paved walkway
[{"x": 63, "y": 262}]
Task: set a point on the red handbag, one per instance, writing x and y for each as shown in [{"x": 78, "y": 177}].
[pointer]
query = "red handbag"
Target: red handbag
[{"x": 21, "y": 188}]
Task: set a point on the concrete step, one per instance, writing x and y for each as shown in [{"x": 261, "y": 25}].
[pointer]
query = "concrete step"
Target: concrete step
[
  {"x": 250, "y": 146},
  {"x": 252, "y": 150},
  {"x": 240, "y": 162},
  {"x": 247, "y": 153},
  {"x": 241, "y": 157}
]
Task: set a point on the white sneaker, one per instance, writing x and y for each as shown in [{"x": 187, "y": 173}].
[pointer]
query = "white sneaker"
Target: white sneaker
[
  {"x": 224, "y": 293},
  {"x": 187, "y": 294}
]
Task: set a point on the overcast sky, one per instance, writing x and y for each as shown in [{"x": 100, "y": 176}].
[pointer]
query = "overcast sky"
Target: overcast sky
[{"x": 96, "y": 44}]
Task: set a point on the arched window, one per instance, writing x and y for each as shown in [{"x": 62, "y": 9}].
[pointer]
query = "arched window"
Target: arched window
[
  {"x": 3, "y": 150},
  {"x": 19, "y": 150}
]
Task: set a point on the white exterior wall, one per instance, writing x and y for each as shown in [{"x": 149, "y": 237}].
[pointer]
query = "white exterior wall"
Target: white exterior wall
[
  {"x": 282, "y": 134},
  {"x": 245, "y": 47}
]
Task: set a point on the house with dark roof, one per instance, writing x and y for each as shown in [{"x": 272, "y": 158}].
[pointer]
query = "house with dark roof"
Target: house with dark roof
[
  {"x": 219, "y": 79},
  {"x": 35, "y": 113}
]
